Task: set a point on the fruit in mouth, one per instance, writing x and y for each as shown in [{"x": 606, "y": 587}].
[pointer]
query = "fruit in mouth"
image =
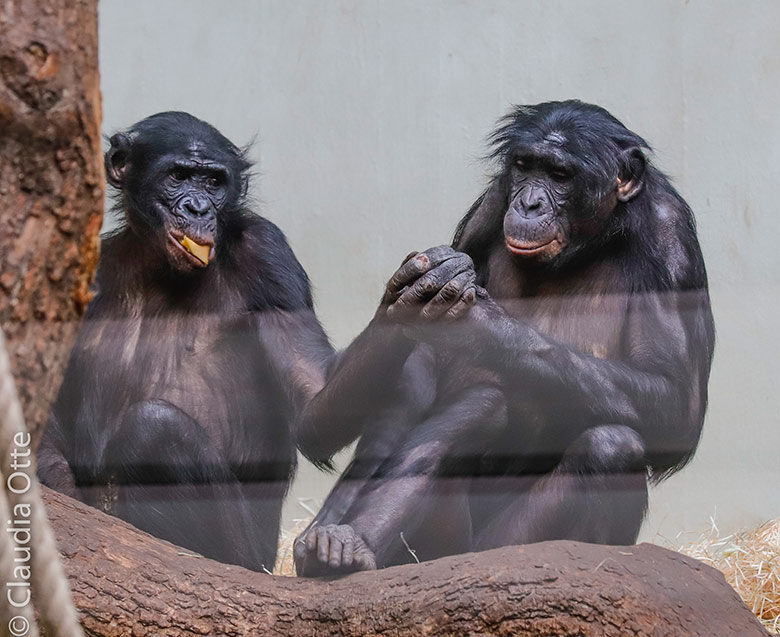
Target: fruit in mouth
[{"x": 200, "y": 252}]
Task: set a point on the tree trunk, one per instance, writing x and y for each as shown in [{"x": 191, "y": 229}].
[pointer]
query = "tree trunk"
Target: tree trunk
[
  {"x": 51, "y": 186},
  {"x": 127, "y": 583}
]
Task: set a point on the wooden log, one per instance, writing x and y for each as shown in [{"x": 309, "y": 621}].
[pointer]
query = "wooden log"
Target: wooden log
[{"x": 126, "y": 582}]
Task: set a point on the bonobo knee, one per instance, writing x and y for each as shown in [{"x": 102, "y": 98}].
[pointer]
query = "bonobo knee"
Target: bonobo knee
[
  {"x": 155, "y": 419},
  {"x": 610, "y": 448},
  {"x": 156, "y": 432},
  {"x": 159, "y": 443},
  {"x": 151, "y": 411}
]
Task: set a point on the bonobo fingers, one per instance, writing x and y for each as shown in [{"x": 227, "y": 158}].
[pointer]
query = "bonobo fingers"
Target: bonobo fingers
[
  {"x": 414, "y": 266},
  {"x": 332, "y": 549},
  {"x": 437, "y": 290},
  {"x": 455, "y": 298}
]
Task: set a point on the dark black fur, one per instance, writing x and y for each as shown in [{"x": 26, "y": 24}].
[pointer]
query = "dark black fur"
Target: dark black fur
[
  {"x": 176, "y": 408},
  {"x": 583, "y": 365}
]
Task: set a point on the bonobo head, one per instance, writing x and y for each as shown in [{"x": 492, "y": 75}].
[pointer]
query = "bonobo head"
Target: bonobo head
[
  {"x": 568, "y": 170},
  {"x": 181, "y": 183}
]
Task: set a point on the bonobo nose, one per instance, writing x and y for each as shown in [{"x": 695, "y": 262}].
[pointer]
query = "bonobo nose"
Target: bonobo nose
[
  {"x": 197, "y": 207},
  {"x": 532, "y": 203}
]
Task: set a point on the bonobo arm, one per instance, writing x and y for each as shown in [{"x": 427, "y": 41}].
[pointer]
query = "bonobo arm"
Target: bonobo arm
[
  {"x": 296, "y": 348},
  {"x": 298, "y": 352},
  {"x": 659, "y": 389},
  {"x": 436, "y": 284},
  {"x": 72, "y": 442},
  {"x": 360, "y": 381}
]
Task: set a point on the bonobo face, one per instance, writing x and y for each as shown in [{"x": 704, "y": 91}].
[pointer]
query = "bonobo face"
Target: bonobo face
[
  {"x": 190, "y": 192},
  {"x": 568, "y": 167},
  {"x": 540, "y": 183},
  {"x": 180, "y": 181}
]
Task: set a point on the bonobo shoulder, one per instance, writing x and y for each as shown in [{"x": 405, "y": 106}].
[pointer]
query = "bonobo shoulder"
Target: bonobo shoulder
[
  {"x": 677, "y": 243},
  {"x": 119, "y": 269},
  {"x": 280, "y": 280}
]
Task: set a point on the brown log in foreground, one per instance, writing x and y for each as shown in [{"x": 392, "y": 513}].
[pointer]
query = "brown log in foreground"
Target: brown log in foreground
[
  {"x": 51, "y": 186},
  {"x": 128, "y": 583}
]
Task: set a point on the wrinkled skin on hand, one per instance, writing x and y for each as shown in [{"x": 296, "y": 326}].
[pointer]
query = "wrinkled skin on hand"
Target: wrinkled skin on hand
[
  {"x": 333, "y": 549},
  {"x": 432, "y": 285}
]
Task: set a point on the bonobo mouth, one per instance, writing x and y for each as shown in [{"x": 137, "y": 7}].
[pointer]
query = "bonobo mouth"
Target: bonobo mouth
[
  {"x": 530, "y": 249},
  {"x": 199, "y": 251}
]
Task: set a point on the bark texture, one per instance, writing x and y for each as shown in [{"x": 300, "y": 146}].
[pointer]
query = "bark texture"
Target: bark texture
[
  {"x": 51, "y": 186},
  {"x": 128, "y": 583}
]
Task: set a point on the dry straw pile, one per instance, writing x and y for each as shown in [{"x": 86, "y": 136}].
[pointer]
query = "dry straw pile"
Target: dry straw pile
[
  {"x": 284, "y": 556},
  {"x": 751, "y": 563}
]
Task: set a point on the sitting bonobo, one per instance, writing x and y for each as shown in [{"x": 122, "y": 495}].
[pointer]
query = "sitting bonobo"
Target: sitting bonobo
[
  {"x": 201, "y": 344},
  {"x": 580, "y": 371},
  {"x": 200, "y": 347}
]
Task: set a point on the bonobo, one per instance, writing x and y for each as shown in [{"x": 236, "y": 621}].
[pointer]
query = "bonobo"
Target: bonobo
[
  {"x": 580, "y": 372},
  {"x": 199, "y": 348}
]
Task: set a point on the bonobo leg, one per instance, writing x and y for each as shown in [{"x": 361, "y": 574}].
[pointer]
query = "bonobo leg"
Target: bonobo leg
[
  {"x": 173, "y": 482},
  {"x": 53, "y": 468},
  {"x": 376, "y": 445},
  {"x": 597, "y": 493},
  {"x": 385, "y": 435},
  {"x": 408, "y": 504}
]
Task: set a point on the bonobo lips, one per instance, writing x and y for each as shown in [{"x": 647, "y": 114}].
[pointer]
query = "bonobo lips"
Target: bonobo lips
[
  {"x": 528, "y": 249},
  {"x": 199, "y": 250}
]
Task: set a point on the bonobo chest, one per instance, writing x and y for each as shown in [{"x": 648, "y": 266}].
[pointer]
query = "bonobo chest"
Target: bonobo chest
[
  {"x": 196, "y": 354},
  {"x": 585, "y": 308},
  {"x": 195, "y": 359}
]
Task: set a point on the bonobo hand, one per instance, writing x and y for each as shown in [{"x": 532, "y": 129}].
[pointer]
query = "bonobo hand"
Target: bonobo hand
[
  {"x": 437, "y": 283},
  {"x": 333, "y": 549}
]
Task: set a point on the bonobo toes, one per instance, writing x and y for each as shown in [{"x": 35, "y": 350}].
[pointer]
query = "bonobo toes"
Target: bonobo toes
[{"x": 332, "y": 549}]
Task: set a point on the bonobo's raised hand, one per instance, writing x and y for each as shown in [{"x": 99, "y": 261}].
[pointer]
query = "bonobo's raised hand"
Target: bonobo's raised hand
[
  {"x": 435, "y": 284},
  {"x": 333, "y": 549}
]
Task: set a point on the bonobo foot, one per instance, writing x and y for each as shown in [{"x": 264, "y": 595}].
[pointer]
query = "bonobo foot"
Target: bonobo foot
[{"x": 333, "y": 549}]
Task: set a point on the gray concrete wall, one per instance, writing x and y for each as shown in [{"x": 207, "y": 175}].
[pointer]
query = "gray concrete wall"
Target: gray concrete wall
[{"x": 370, "y": 119}]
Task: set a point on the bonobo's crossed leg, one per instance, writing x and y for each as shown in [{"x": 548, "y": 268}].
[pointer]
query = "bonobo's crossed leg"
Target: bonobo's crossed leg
[
  {"x": 409, "y": 401},
  {"x": 174, "y": 483},
  {"x": 597, "y": 493},
  {"x": 407, "y": 504},
  {"x": 375, "y": 446},
  {"x": 383, "y": 438}
]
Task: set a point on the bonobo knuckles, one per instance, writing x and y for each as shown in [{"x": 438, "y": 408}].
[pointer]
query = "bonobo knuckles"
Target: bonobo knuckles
[{"x": 435, "y": 284}]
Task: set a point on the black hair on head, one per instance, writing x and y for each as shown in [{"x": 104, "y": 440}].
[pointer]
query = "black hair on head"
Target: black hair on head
[{"x": 176, "y": 129}]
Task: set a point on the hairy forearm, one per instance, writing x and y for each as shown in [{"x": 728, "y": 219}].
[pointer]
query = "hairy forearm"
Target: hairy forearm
[
  {"x": 361, "y": 379},
  {"x": 591, "y": 389}
]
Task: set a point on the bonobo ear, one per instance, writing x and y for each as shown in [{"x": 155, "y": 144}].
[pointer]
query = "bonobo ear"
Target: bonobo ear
[
  {"x": 632, "y": 172},
  {"x": 118, "y": 159}
]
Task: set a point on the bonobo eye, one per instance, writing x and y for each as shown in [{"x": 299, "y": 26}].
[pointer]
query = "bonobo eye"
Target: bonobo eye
[
  {"x": 215, "y": 181},
  {"x": 560, "y": 175},
  {"x": 179, "y": 173}
]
